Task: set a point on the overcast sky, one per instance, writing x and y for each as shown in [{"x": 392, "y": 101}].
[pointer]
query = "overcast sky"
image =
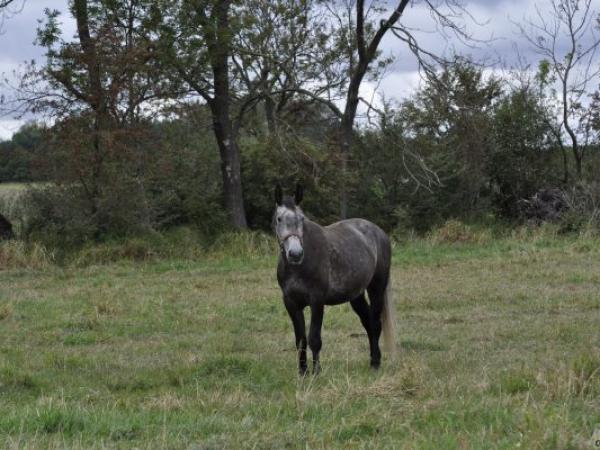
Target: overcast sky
[{"x": 495, "y": 20}]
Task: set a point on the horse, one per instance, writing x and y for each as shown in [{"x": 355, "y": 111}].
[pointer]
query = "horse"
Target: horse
[{"x": 329, "y": 265}]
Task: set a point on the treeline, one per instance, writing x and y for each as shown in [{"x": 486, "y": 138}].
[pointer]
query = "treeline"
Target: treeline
[
  {"x": 171, "y": 113},
  {"x": 18, "y": 155}
]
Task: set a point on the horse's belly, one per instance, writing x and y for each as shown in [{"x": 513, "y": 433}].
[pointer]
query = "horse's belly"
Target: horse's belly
[
  {"x": 349, "y": 276},
  {"x": 347, "y": 288},
  {"x": 338, "y": 299}
]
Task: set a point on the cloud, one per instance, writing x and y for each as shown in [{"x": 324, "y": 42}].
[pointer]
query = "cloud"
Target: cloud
[{"x": 9, "y": 127}]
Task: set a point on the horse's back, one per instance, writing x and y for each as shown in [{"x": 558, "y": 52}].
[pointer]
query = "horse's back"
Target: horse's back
[
  {"x": 363, "y": 232},
  {"x": 359, "y": 252}
]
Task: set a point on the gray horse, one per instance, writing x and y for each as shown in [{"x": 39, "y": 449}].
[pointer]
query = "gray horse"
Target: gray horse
[{"x": 330, "y": 265}]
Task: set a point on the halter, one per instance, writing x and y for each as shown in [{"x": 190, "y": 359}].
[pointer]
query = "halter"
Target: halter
[{"x": 286, "y": 237}]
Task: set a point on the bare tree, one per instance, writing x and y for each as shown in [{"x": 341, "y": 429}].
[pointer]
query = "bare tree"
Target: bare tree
[
  {"x": 9, "y": 8},
  {"x": 568, "y": 43}
]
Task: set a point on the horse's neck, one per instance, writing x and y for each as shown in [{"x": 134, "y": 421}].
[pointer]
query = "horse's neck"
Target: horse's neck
[{"x": 313, "y": 233}]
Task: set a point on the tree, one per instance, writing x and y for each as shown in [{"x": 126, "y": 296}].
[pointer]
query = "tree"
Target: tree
[
  {"x": 100, "y": 88},
  {"x": 18, "y": 156},
  {"x": 105, "y": 76},
  {"x": 568, "y": 45},
  {"x": 355, "y": 33},
  {"x": 358, "y": 40},
  {"x": 449, "y": 123},
  {"x": 275, "y": 48},
  {"x": 520, "y": 160},
  {"x": 196, "y": 41}
]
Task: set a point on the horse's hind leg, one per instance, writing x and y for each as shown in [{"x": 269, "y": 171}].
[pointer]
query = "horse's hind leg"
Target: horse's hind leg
[
  {"x": 297, "y": 317},
  {"x": 361, "y": 308},
  {"x": 376, "y": 299}
]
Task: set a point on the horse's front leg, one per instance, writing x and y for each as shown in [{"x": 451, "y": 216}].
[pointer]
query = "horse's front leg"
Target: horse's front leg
[
  {"x": 297, "y": 316},
  {"x": 314, "y": 335}
]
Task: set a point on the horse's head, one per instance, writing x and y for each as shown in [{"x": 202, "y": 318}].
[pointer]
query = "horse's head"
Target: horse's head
[{"x": 288, "y": 223}]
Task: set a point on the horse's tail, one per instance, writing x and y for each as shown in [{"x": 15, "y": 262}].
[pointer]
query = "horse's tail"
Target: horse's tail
[{"x": 388, "y": 319}]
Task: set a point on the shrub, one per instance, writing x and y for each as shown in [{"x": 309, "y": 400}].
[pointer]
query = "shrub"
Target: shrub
[
  {"x": 454, "y": 231},
  {"x": 582, "y": 208},
  {"x": 19, "y": 255},
  {"x": 266, "y": 162}
]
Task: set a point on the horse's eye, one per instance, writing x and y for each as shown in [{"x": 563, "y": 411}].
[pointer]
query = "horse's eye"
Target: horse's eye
[{"x": 278, "y": 219}]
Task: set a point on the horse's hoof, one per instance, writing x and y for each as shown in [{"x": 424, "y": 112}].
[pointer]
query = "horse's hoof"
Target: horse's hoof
[
  {"x": 375, "y": 365},
  {"x": 303, "y": 371}
]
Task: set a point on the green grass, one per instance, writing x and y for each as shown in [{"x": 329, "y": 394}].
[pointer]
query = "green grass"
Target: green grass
[
  {"x": 500, "y": 348},
  {"x": 12, "y": 187}
]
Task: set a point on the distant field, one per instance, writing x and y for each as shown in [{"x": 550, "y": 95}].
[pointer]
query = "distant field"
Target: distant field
[
  {"x": 10, "y": 189},
  {"x": 500, "y": 349}
]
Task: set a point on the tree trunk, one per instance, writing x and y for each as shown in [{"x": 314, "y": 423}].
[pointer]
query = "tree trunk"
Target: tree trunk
[
  {"x": 345, "y": 145},
  {"x": 96, "y": 99},
  {"x": 565, "y": 165},
  {"x": 367, "y": 51},
  {"x": 347, "y": 132},
  {"x": 578, "y": 161},
  {"x": 270, "y": 116},
  {"x": 230, "y": 168},
  {"x": 224, "y": 133}
]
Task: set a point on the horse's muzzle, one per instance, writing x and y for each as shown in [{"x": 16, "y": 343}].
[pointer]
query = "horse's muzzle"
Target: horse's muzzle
[
  {"x": 295, "y": 256},
  {"x": 292, "y": 248}
]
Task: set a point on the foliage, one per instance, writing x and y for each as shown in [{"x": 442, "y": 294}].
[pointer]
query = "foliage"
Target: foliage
[
  {"x": 286, "y": 160},
  {"x": 19, "y": 155},
  {"x": 520, "y": 161},
  {"x": 583, "y": 208}
]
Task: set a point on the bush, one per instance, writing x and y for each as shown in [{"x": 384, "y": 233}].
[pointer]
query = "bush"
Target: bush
[
  {"x": 19, "y": 255},
  {"x": 454, "y": 231},
  {"x": 288, "y": 161},
  {"x": 520, "y": 161},
  {"x": 582, "y": 212}
]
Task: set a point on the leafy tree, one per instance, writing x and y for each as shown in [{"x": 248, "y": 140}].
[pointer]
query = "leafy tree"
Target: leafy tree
[
  {"x": 196, "y": 43},
  {"x": 20, "y": 156},
  {"x": 102, "y": 88},
  {"x": 521, "y": 158},
  {"x": 449, "y": 124}
]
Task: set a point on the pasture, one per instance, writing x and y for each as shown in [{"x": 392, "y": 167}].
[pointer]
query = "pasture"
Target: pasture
[
  {"x": 499, "y": 348},
  {"x": 9, "y": 192}
]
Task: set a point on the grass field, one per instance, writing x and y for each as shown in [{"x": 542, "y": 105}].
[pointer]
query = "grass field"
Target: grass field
[
  {"x": 10, "y": 191},
  {"x": 500, "y": 348},
  {"x": 12, "y": 187}
]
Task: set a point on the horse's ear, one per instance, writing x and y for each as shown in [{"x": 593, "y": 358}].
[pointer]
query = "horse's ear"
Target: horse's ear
[
  {"x": 299, "y": 194},
  {"x": 278, "y": 194}
]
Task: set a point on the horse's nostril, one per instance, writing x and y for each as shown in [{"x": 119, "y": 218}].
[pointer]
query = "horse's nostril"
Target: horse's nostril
[{"x": 295, "y": 255}]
